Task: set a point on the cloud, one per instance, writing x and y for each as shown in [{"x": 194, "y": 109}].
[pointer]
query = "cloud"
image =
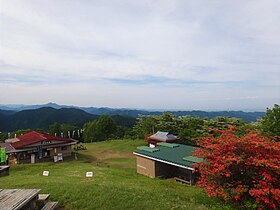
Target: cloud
[{"x": 216, "y": 51}]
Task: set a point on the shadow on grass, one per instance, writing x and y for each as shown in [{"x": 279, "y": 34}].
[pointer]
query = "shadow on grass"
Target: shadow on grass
[
  {"x": 19, "y": 167},
  {"x": 85, "y": 158},
  {"x": 93, "y": 160}
]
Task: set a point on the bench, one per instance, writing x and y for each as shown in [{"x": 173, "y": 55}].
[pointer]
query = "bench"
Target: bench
[
  {"x": 50, "y": 206},
  {"x": 177, "y": 179}
]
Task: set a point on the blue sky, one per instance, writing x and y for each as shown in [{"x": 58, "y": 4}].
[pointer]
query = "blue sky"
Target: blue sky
[{"x": 207, "y": 55}]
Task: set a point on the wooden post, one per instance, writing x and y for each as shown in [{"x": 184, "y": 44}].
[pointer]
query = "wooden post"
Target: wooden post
[{"x": 190, "y": 178}]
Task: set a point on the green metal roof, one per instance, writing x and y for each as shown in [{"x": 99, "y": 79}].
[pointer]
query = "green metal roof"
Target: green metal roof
[
  {"x": 173, "y": 155},
  {"x": 147, "y": 149},
  {"x": 193, "y": 159},
  {"x": 168, "y": 144}
]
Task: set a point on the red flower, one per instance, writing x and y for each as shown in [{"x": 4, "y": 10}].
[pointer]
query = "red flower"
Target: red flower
[
  {"x": 237, "y": 197},
  {"x": 252, "y": 161}
]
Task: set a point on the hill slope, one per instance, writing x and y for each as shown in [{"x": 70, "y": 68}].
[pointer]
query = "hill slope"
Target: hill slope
[
  {"x": 43, "y": 117},
  {"x": 114, "y": 185}
]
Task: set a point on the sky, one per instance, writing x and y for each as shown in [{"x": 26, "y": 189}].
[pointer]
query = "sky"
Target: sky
[{"x": 166, "y": 54}]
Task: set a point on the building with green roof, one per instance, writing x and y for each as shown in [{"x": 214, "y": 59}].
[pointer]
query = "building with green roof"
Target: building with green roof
[{"x": 167, "y": 160}]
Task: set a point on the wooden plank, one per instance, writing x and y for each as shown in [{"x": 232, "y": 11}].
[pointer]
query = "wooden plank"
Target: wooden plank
[
  {"x": 15, "y": 199},
  {"x": 43, "y": 197},
  {"x": 50, "y": 206},
  {"x": 25, "y": 196},
  {"x": 182, "y": 180}
]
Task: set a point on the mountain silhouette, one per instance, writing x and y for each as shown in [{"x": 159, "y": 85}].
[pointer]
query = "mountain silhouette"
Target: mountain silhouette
[{"x": 43, "y": 117}]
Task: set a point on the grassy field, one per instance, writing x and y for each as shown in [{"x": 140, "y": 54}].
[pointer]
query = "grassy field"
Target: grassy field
[{"x": 115, "y": 184}]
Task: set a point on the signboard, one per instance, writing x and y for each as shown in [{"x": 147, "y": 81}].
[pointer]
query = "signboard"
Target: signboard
[
  {"x": 40, "y": 152},
  {"x": 89, "y": 174},
  {"x": 32, "y": 157},
  {"x": 59, "y": 157},
  {"x": 46, "y": 173},
  {"x": 3, "y": 156}
]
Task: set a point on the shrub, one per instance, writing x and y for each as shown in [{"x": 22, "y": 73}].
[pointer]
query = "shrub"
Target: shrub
[{"x": 242, "y": 169}]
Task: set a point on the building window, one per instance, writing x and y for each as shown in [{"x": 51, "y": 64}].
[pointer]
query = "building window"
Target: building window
[{"x": 64, "y": 148}]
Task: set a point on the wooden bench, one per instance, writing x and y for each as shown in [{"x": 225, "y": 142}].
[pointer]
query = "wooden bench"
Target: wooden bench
[
  {"x": 50, "y": 206},
  {"x": 177, "y": 179},
  {"x": 18, "y": 199}
]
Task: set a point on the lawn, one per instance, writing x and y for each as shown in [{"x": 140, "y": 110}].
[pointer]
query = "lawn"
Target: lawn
[{"x": 115, "y": 184}]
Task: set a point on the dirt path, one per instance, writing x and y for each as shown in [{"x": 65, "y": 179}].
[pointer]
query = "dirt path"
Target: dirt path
[{"x": 107, "y": 154}]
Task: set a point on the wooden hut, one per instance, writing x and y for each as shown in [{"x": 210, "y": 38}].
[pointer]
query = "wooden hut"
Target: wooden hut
[{"x": 35, "y": 147}]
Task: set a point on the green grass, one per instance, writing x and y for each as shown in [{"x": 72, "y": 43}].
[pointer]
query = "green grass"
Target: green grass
[{"x": 115, "y": 184}]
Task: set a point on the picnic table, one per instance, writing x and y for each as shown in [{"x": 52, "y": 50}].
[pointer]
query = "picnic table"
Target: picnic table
[{"x": 17, "y": 199}]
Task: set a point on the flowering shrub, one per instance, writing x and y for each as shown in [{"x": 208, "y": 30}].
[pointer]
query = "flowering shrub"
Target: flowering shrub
[{"x": 244, "y": 169}]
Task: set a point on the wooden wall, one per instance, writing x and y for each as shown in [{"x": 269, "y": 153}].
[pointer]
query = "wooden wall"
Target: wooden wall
[{"x": 145, "y": 166}]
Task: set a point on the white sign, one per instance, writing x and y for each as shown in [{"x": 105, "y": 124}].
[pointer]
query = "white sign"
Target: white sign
[
  {"x": 46, "y": 173},
  {"x": 89, "y": 174},
  {"x": 59, "y": 157}
]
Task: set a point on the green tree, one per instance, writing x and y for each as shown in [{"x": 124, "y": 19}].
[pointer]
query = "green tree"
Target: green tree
[
  {"x": 168, "y": 122},
  {"x": 20, "y": 132},
  {"x": 54, "y": 128},
  {"x": 57, "y": 129},
  {"x": 186, "y": 127},
  {"x": 191, "y": 128},
  {"x": 40, "y": 130},
  {"x": 146, "y": 124},
  {"x": 119, "y": 132},
  {"x": 91, "y": 132},
  {"x": 4, "y": 135},
  {"x": 223, "y": 122},
  {"x": 65, "y": 128},
  {"x": 101, "y": 129},
  {"x": 270, "y": 123}
]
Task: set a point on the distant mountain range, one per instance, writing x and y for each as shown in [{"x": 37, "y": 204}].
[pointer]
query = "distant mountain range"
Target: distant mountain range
[
  {"x": 45, "y": 116},
  {"x": 42, "y": 118},
  {"x": 14, "y": 117}
]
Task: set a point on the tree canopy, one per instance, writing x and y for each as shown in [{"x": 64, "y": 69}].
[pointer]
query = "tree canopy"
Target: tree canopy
[
  {"x": 100, "y": 129},
  {"x": 186, "y": 127},
  {"x": 270, "y": 123}
]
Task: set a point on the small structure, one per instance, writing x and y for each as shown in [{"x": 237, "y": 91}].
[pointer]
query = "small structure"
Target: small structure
[
  {"x": 167, "y": 161},
  {"x": 161, "y": 137},
  {"x": 35, "y": 147}
]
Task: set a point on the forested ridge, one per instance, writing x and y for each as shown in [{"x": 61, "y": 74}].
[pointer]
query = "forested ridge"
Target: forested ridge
[
  {"x": 103, "y": 127},
  {"x": 42, "y": 117}
]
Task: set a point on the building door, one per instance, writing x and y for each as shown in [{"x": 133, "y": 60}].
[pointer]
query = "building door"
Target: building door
[{"x": 32, "y": 158}]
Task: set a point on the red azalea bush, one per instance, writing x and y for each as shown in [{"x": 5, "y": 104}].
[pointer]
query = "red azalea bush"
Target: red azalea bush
[{"x": 244, "y": 169}]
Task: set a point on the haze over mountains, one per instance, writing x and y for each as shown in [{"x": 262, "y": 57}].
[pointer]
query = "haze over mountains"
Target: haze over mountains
[{"x": 14, "y": 117}]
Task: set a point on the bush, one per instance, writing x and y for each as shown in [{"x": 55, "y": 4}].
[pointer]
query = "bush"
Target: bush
[{"x": 243, "y": 169}]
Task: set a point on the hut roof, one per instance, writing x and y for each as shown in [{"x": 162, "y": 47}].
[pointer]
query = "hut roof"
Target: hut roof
[
  {"x": 163, "y": 136},
  {"x": 174, "y": 154},
  {"x": 34, "y": 137}
]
